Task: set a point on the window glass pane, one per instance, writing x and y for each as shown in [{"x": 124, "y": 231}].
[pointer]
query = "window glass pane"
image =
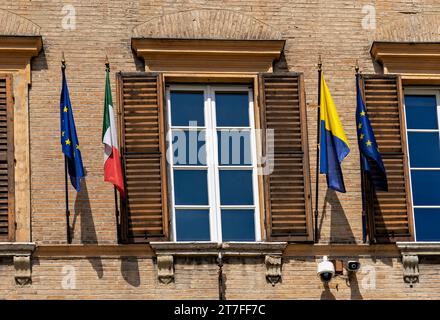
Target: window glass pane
[
  {"x": 424, "y": 149},
  {"x": 232, "y": 109},
  {"x": 234, "y": 147},
  {"x": 427, "y": 224},
  {"x": 186, "y": 107},
  {"x": 425, "y": 187},
  {"x": 421, "y": 112},
  {"x": 236, "y": 187},
  {"x": 189, "y": 147},
  {"x": 238, "y": 225},
  {"x": 190, "y": 187},
  {"x": 192, "y": 225}
]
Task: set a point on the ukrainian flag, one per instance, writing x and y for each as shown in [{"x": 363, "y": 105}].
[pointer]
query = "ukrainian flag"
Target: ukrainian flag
[{"x": 333, "y": 143}]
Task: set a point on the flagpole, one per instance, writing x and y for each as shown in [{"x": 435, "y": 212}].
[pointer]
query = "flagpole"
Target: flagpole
[
  {"x": 317, "y": 149},
  {"x": 118, "y": 226},
  {"x": 66, "y": 186},
  {"x": 364, "y": 213}
]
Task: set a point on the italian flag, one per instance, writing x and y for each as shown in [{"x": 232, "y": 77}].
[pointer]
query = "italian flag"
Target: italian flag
[{"x": 112, "y": 158}]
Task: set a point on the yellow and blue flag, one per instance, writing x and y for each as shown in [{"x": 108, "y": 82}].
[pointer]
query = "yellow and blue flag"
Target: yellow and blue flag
[
  {"x": 69, "y": 139},
  {"x": 333, "y": 143},
  {"x": 370, "y": 156}
]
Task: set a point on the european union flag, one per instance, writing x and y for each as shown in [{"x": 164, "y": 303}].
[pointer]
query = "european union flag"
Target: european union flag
[
  {"x": 69, "y": 139},
  {"x": 370, "y": 156}
]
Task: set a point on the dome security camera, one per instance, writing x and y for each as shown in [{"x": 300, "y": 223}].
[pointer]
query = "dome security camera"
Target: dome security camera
[{"x": 325, "y": 270}]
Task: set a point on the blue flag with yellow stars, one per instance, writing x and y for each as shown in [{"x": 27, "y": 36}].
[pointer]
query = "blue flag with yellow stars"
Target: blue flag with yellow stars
[
  {"x": 69, "y": 139},
  {"x": 370, "y": 156}
]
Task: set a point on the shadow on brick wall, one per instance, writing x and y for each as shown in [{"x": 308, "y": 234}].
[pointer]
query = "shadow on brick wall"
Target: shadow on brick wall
[
  {"x": 327, "y": 294},
  {"x": 138, "y": 62},
  {"x": 340, "y": 230},
  {"x": 354, "y": 288},
  {"x": 40, "y": 61},
  {"x": 130, "y": 270},
  {"x": 83, "y": 210}
]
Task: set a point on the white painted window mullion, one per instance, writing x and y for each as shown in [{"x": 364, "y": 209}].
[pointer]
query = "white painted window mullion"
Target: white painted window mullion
[{"x": 170, "y": 169}]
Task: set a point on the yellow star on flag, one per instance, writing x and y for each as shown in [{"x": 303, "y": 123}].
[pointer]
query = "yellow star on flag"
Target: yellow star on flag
[
  {"x": 360, "y": 126},
  {"x": 68, "y": 142},
  {"x": 65, "y": 109},
  {"x": 62, "y": 134},
  {"x": 77, "y": 147},
  {"x": 362, "y": 136},
  {"x": 368, "y": 143},
  {"x": 363, "y": 113}
]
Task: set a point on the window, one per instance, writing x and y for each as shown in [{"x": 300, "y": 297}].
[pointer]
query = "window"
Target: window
[
  {"x": 190, "y": 161},
  {"x": 212, "y": 163},
  {"x": 422, "y": 110}
]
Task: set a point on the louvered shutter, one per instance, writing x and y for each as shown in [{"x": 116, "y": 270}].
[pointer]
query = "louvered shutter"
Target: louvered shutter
[
  {"x": 144, "y": 213},
  {"x": 7, "y": 227},
  {"x": 287, "y": 188},
  {"x": 390, "y": 213}
]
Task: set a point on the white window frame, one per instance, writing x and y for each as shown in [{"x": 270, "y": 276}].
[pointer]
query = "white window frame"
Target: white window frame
[
  {"x": 212, "y": 165},
  {"x": 422, "y": 91}
]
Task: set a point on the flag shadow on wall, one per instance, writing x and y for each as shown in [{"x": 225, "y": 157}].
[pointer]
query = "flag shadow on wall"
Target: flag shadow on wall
[
  {"x": 83, "y": 210},
  {"x": 340, "y": 230}
]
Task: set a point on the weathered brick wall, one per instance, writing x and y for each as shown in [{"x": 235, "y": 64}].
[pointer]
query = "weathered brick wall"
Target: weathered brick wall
[
  {"x": 311, "y": 27},
  {"x": 110, "y": 278},
  {"x": 135, "y": 278}
]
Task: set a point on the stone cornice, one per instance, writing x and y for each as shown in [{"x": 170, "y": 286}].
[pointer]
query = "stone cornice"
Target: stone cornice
[
  {"x": 186, "y": 55},
  {"x": 411, "y": 59}
]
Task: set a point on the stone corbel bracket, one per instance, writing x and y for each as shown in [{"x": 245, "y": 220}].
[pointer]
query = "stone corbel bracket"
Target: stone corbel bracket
[
  {"x": 273, "y": 269},
  {"x": 411, "y": 253},
  {"x": 165, "y": 268},
  {"x": 271, "y": 251},
  {"x": 21, "y": 253},
  {"x": 410, "y": 268}
]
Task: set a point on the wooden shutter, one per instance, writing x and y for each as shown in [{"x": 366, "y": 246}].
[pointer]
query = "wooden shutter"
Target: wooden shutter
[
  {"x": 287, "y": 189},
  {"x": 390, "y": 213},
  {"x": 144, "y": 213},
  {"x": 7, "y": 225}
]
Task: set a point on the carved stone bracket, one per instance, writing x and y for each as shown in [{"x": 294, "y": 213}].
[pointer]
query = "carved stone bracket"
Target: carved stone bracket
[
  {"x": 165, "y": 268},
  {"x": 410, "y": 268},
  {"x": 411, "y": 253},
  {"x": 273, "y": 269},
  {"x": 21, "y": 252},
  {"x": 23, "y": 270}
]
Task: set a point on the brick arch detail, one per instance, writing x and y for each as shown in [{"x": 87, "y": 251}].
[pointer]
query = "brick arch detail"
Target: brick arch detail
[
  {"x": 15, "y": 25},
  {"x": 206, "y": 24},
  {"x": 412, "y": 28}
]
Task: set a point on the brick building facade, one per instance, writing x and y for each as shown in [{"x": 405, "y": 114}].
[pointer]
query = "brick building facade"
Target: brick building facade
[{"x": 39, "y": 264}]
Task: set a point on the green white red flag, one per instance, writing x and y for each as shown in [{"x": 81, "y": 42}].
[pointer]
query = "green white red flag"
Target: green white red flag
[{"x": 112, "y": 158}]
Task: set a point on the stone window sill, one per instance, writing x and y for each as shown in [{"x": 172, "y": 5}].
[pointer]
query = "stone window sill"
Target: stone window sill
[
  {"x": 11, "y": 249},
  {"x": 250, "y": 249},
  {"x": 419, "y": 248}
]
